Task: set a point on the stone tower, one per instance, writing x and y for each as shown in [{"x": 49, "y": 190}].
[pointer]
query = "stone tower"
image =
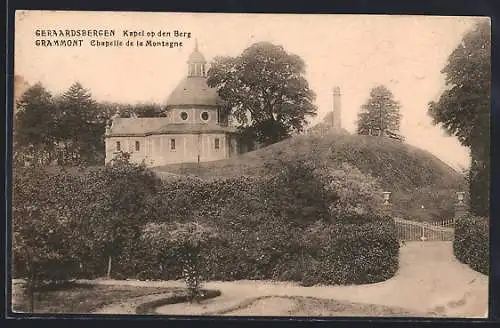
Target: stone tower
[{"x": 337, "y": 109}]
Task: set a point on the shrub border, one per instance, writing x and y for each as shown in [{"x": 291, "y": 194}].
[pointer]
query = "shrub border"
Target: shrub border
[{"x": 150, "y": 307}]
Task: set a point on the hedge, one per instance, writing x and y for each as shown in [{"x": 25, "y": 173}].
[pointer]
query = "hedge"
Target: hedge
[
  {"x": 302, "y": 223},
  {"x": 270, "y": 230},
  {"x": 322, "y": 254},
  {"x": 471, "y": 242}
]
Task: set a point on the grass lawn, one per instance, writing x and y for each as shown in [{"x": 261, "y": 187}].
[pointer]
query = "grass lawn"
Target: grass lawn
[{"x": 79, "y": 298}]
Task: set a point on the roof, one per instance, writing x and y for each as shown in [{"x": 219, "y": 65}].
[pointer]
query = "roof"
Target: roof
[
  {"x": 144, "y": 126},
  {"x": 193, "y": 90}
]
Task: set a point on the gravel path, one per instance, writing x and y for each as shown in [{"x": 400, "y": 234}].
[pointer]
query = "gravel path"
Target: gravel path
[{"x": 430, "y": 279}]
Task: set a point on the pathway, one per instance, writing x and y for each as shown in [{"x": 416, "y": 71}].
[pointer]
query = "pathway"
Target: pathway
[{"x": 430, "y": 279}]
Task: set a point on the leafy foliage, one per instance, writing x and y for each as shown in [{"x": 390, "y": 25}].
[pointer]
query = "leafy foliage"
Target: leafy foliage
[
  {"x": 34, "y": 127},
  {"x": 351, "y": 253},
  {"x": 297, "y": 192},
  {"x": 463, "y": 109},
  {"x": 43, "y": 236},
  {"x": 91, "y": 216},
  {"x": 265, "y": 90},
  {"x": 79, "y": 129},
  {"x": 356, "y": 196},
  {"x": 109, "y": 109},
  {"x": 68, "y": 128},
  {"x": 114, "y": 206},
  {"x": 471, "y": 242},
  {"x": 262, "y": 224},
  {"x": 186, "y": 240},
  {"x": 414, "y": 176},
  {"x": 380, "y": 114},
  {"x": 237, "y": 228}
]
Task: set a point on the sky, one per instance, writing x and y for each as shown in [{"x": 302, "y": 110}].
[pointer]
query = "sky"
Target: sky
[{"x": 354, "y": 52}]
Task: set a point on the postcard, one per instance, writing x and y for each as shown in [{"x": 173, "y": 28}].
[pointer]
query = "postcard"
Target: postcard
[{"x": 277, "y": 165}]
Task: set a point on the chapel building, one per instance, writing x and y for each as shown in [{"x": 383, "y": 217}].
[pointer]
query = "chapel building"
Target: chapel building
[{"x": 194, "y": 129}]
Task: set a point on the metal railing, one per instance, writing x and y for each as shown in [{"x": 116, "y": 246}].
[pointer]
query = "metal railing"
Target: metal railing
[{"x": 422, "y": 231}]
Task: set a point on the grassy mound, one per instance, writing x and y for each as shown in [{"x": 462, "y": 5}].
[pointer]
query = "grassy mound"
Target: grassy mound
[{"x": 414, "y": 176}]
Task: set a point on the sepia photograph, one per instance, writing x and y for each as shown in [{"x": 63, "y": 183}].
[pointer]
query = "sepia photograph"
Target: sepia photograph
[{"x": 250, "y": 165}]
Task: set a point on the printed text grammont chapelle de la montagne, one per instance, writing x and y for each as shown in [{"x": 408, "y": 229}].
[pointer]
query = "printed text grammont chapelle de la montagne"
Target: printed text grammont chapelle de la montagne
[{"x": 109, "y": 38}]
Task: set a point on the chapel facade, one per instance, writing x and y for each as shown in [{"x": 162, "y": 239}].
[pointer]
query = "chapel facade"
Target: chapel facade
[{"x": 194, "y": 129}]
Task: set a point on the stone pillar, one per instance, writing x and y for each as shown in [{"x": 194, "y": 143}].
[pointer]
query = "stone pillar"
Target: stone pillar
[
  {"x": 337, "y": 110},
  {"x": 460, "y": 207},
  {"x": 387, "y": 206}
]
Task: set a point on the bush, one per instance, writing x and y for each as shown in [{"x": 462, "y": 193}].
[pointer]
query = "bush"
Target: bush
[
  {"x": 281, "y": 227},
  {"x": 42, "y": 244},
  {"x": 351, "y": 253},
  {"x": 324, "y": 253},
  {"x": 355, "y": 197},
  {"x": 471, "y": 243},
  {"x": 301, "y": 223},
  {"x": 183, "y": 242},
  {"x": 66, "y": 225},
  {"x": 298, "y": 193}
]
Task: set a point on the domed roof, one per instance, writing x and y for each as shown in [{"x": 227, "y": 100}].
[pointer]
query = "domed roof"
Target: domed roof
[{"x": 193, "y": 90}]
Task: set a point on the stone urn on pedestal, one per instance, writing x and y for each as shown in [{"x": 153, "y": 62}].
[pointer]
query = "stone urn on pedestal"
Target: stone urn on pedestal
[
  {"x": 460, "y": 207},
  {"x": 387, "y": 206}
]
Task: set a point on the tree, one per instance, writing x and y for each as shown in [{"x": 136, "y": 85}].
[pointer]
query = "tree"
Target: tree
[
  {"x": 148, "y": 110},
  {"x": 463, "y": 109},
  {"x": 112, "y": 208},
  {"x": 43, "y": 238},
  {"x": 265, "y": 90},
  {"x": 109, "y": 109},
  {"x": 20, "y": 87},
  {"x": 34, "y": 129},
  {"x": 80, "y": 127},
  {"x": 380, "y": 114}
]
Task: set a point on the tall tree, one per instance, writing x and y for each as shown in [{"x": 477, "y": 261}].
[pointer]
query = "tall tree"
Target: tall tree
[
  {"x": 380, "y": 113},
  {"x": 463, "y": 109},
  {"x": 265, "y": 90},
  {"x": 34, "y": 129},
  {"x": 80, "y": 127}
]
